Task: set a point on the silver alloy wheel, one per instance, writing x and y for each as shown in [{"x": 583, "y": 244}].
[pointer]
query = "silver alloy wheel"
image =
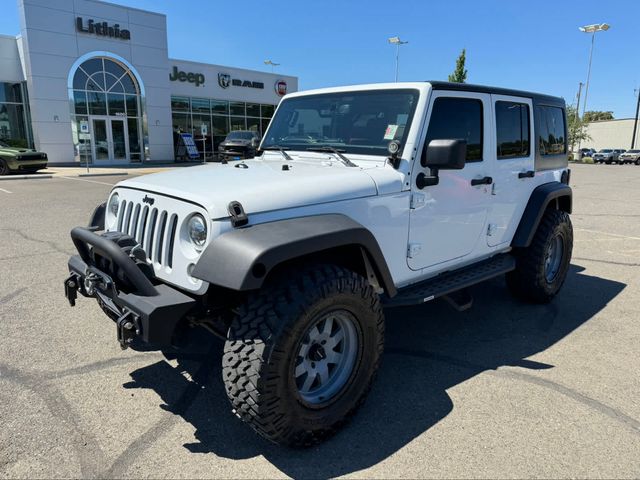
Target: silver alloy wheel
[
  {"x": 326, "y": 357},
  {"x": 553, "y": 258}
]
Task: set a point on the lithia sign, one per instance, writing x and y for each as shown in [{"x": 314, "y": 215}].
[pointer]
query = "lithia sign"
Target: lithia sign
[{"x": 102, "y": 29}]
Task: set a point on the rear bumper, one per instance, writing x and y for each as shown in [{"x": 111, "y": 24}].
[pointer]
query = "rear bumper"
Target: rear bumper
[{"x": 150, "y": 312}]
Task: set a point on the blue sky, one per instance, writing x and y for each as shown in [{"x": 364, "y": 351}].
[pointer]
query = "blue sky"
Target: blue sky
[{"x": 526, "y": 45}]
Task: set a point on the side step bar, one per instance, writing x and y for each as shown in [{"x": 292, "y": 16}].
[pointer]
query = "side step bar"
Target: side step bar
[{"x": 449, "y": 282}]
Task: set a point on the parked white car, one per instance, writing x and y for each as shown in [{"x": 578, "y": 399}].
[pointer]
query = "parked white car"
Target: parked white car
[{"x": 363, "y": 197}]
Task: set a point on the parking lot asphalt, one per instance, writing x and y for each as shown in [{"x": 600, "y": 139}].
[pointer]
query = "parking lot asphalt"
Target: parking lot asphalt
[{"x": 503, "y": 390}]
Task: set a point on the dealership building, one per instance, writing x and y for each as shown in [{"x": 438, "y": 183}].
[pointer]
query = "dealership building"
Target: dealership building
[{"x": 90, "y": 81}]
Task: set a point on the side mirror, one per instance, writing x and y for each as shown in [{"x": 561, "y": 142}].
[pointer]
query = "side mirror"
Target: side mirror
[
  {"x": 446, "y": 154},
  {"x": 442, "y": 155}
]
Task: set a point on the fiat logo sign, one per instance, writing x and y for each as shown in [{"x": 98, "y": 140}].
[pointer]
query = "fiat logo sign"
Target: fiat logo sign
[{"x": 281, "y": 88}]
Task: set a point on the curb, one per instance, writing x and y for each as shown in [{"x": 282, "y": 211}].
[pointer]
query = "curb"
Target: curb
[
  {"x": 26, "y": 177},
  {"x": 99, "y": 174}
]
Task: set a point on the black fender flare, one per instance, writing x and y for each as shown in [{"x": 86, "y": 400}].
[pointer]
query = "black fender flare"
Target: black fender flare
[
  {"x": 539, "y": 200},
  {"x": 242, "y": 258},
  {"x": 97, "y": 217}
]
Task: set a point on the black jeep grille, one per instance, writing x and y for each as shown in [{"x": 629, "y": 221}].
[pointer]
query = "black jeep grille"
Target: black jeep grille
[{"x": 154, "y": 229}]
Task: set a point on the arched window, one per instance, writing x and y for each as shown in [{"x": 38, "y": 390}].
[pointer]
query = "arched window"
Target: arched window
[{"x": 103, "y": 86}]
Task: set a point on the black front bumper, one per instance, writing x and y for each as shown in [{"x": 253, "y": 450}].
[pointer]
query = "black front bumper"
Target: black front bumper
[{"x": 146, "y": 310}]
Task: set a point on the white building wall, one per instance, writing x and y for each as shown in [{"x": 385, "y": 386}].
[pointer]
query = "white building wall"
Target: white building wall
[
  {"x": 611, "y": 134},
  {"x": 10, "y": 69},
  {"x": 52, "y": 44}
]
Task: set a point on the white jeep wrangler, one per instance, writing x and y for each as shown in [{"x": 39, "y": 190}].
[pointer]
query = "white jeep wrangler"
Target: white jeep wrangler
[{"x": 362, "y": 198}]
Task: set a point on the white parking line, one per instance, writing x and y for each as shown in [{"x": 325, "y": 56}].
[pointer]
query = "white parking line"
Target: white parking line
[
  {"x": 5, "y": 191},
  {"x": 608, "y": 234},
  {"x": 85, "y": 180}
]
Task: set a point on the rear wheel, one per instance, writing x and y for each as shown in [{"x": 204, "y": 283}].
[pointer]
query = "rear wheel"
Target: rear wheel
[
  {"x": 541, "y": 268},
  {"x": 301, "y": 355}
]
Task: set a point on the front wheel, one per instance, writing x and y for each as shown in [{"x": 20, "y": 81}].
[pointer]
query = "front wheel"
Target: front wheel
[
  {"x": 541, "y": 268},
  {"x": 4, "y": 168},
  {"x": 301, "y": 355}
]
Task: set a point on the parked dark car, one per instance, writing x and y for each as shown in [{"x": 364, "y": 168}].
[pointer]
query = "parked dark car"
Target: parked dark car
[
  {"x": 587, "y": 152},
  {"x": 16, "y": 159},
  {"x": 238, "y": 145}
]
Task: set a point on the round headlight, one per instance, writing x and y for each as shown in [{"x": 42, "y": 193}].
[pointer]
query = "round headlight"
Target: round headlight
[
  {"x": 114, "y": 203},
  {"x": 197, "y": 228}
]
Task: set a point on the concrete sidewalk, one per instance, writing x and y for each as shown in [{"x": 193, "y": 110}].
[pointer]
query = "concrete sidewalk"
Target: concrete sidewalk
[{"x": 82, "y": 171}]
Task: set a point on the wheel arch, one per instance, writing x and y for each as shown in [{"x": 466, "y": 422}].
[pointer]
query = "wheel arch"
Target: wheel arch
[
  {"x": 244, "y": 259},
  {"x": 555, "y": 195}
]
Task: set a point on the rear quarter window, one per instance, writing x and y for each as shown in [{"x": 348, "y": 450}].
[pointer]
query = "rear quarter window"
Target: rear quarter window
[{"x": 551, "y": 130}]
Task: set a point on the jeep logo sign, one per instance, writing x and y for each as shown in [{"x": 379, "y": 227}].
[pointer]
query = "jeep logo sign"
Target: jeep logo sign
[
  {"x": 196, "y": 78},
  {"x": 102, "y": 29},
  {"x": 225, "y": 80}
]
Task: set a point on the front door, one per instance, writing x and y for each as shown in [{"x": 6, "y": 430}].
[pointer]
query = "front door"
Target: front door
[
  {"x": 448, "y": 220},
  {"x": 109, "y": 140}
]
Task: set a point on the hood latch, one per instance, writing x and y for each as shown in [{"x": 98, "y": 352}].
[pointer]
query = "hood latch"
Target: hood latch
[{"x": 238, "y": 217}]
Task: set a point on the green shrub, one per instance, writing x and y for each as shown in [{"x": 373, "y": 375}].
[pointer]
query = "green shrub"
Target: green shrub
[{"x": 587, "y": 160}]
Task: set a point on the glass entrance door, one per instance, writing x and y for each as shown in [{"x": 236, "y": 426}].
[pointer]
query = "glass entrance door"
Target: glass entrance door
[
  {"x": 100, "y": 140},
  {"x": 109, "y": 140},
  {"x": 119, "y": 140}
]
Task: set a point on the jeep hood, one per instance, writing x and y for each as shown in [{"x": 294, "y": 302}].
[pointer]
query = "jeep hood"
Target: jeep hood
[{"x": 262, "y": 186}]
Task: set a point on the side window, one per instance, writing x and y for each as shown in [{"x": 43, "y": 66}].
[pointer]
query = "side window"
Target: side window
[
  {"x": 456, "y": 118},
  {"x": 512, "y": 130},
  {"x": 551, "y": 138}
]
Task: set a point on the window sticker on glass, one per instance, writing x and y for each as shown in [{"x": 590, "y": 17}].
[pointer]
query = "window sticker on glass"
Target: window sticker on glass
[{"x": 390, "y": 132}]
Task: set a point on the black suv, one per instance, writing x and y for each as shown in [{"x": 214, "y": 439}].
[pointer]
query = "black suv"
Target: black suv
[{"x": 238, "y": 145}]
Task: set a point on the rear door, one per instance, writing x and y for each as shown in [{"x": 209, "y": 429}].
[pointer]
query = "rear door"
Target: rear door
[
  {"x": 448, "y": 220},
  {"x": 514, "y": 166}
]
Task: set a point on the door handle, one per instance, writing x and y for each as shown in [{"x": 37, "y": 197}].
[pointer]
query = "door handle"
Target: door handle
[
  {"x": 527, "y": 174},
  {"x": 481, "y": 181}
]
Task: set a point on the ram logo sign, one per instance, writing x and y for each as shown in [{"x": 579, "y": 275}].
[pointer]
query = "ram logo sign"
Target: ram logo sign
[{"x": 224, "y": 80}]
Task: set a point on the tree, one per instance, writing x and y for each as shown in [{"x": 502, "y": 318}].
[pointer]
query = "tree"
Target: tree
[
  {"x": 595, "y": 115},
  {"x": 459, "y": 75},
  {"x": 577, "y": 131}
]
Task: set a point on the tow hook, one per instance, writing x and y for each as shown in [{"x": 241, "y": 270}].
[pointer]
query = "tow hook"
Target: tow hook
[
  {"x": 71, "y": 289},
  {"x": 91, "y": 281},
  {"x": 128, "y": 326}
]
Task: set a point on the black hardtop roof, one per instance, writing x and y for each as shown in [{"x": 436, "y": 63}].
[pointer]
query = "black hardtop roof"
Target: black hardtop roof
[{"x": 467, "y": 87}]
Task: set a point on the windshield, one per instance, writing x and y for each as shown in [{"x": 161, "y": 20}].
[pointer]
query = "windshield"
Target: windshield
[
  {"x": 240, "y": 136},
  {"x": 353, "y": 122},
  {"x": 605, "y": 150},
  {"x": 633, "y": 151}
]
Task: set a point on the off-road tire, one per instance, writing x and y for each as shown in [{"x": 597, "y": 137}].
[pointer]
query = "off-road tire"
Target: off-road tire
[
  {"x": 528, "y": 281},
  {"x": 4, "y": 168},
  {"x": 260, "y": 353}
]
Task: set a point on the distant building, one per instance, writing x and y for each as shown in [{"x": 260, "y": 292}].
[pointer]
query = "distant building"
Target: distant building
[
  {"x": 611, "y": 134},
  {"x": 89, "y": 81}
]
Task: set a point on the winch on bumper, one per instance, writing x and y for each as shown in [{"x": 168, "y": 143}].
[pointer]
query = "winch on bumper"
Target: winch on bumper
[{"x": 109, "y": 267}]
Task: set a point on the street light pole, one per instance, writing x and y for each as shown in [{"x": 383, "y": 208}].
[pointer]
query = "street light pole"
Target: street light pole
[
  {"x": 269, "y": 62},
  {"x": 397, "y": 42},
  {"x": 597, "y": 27},
  {"x": 591, "y": 29},
  {"x": 635, "y": 123}
]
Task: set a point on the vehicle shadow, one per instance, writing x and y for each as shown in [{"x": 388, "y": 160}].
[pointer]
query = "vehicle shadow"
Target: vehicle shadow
[{"x": 429, "y": 349}]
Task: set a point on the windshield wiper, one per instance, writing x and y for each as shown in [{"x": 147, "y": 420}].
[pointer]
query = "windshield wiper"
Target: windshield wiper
[
  {"x": 280, "y": 149},
  {"x": 336, "y": 152}
]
